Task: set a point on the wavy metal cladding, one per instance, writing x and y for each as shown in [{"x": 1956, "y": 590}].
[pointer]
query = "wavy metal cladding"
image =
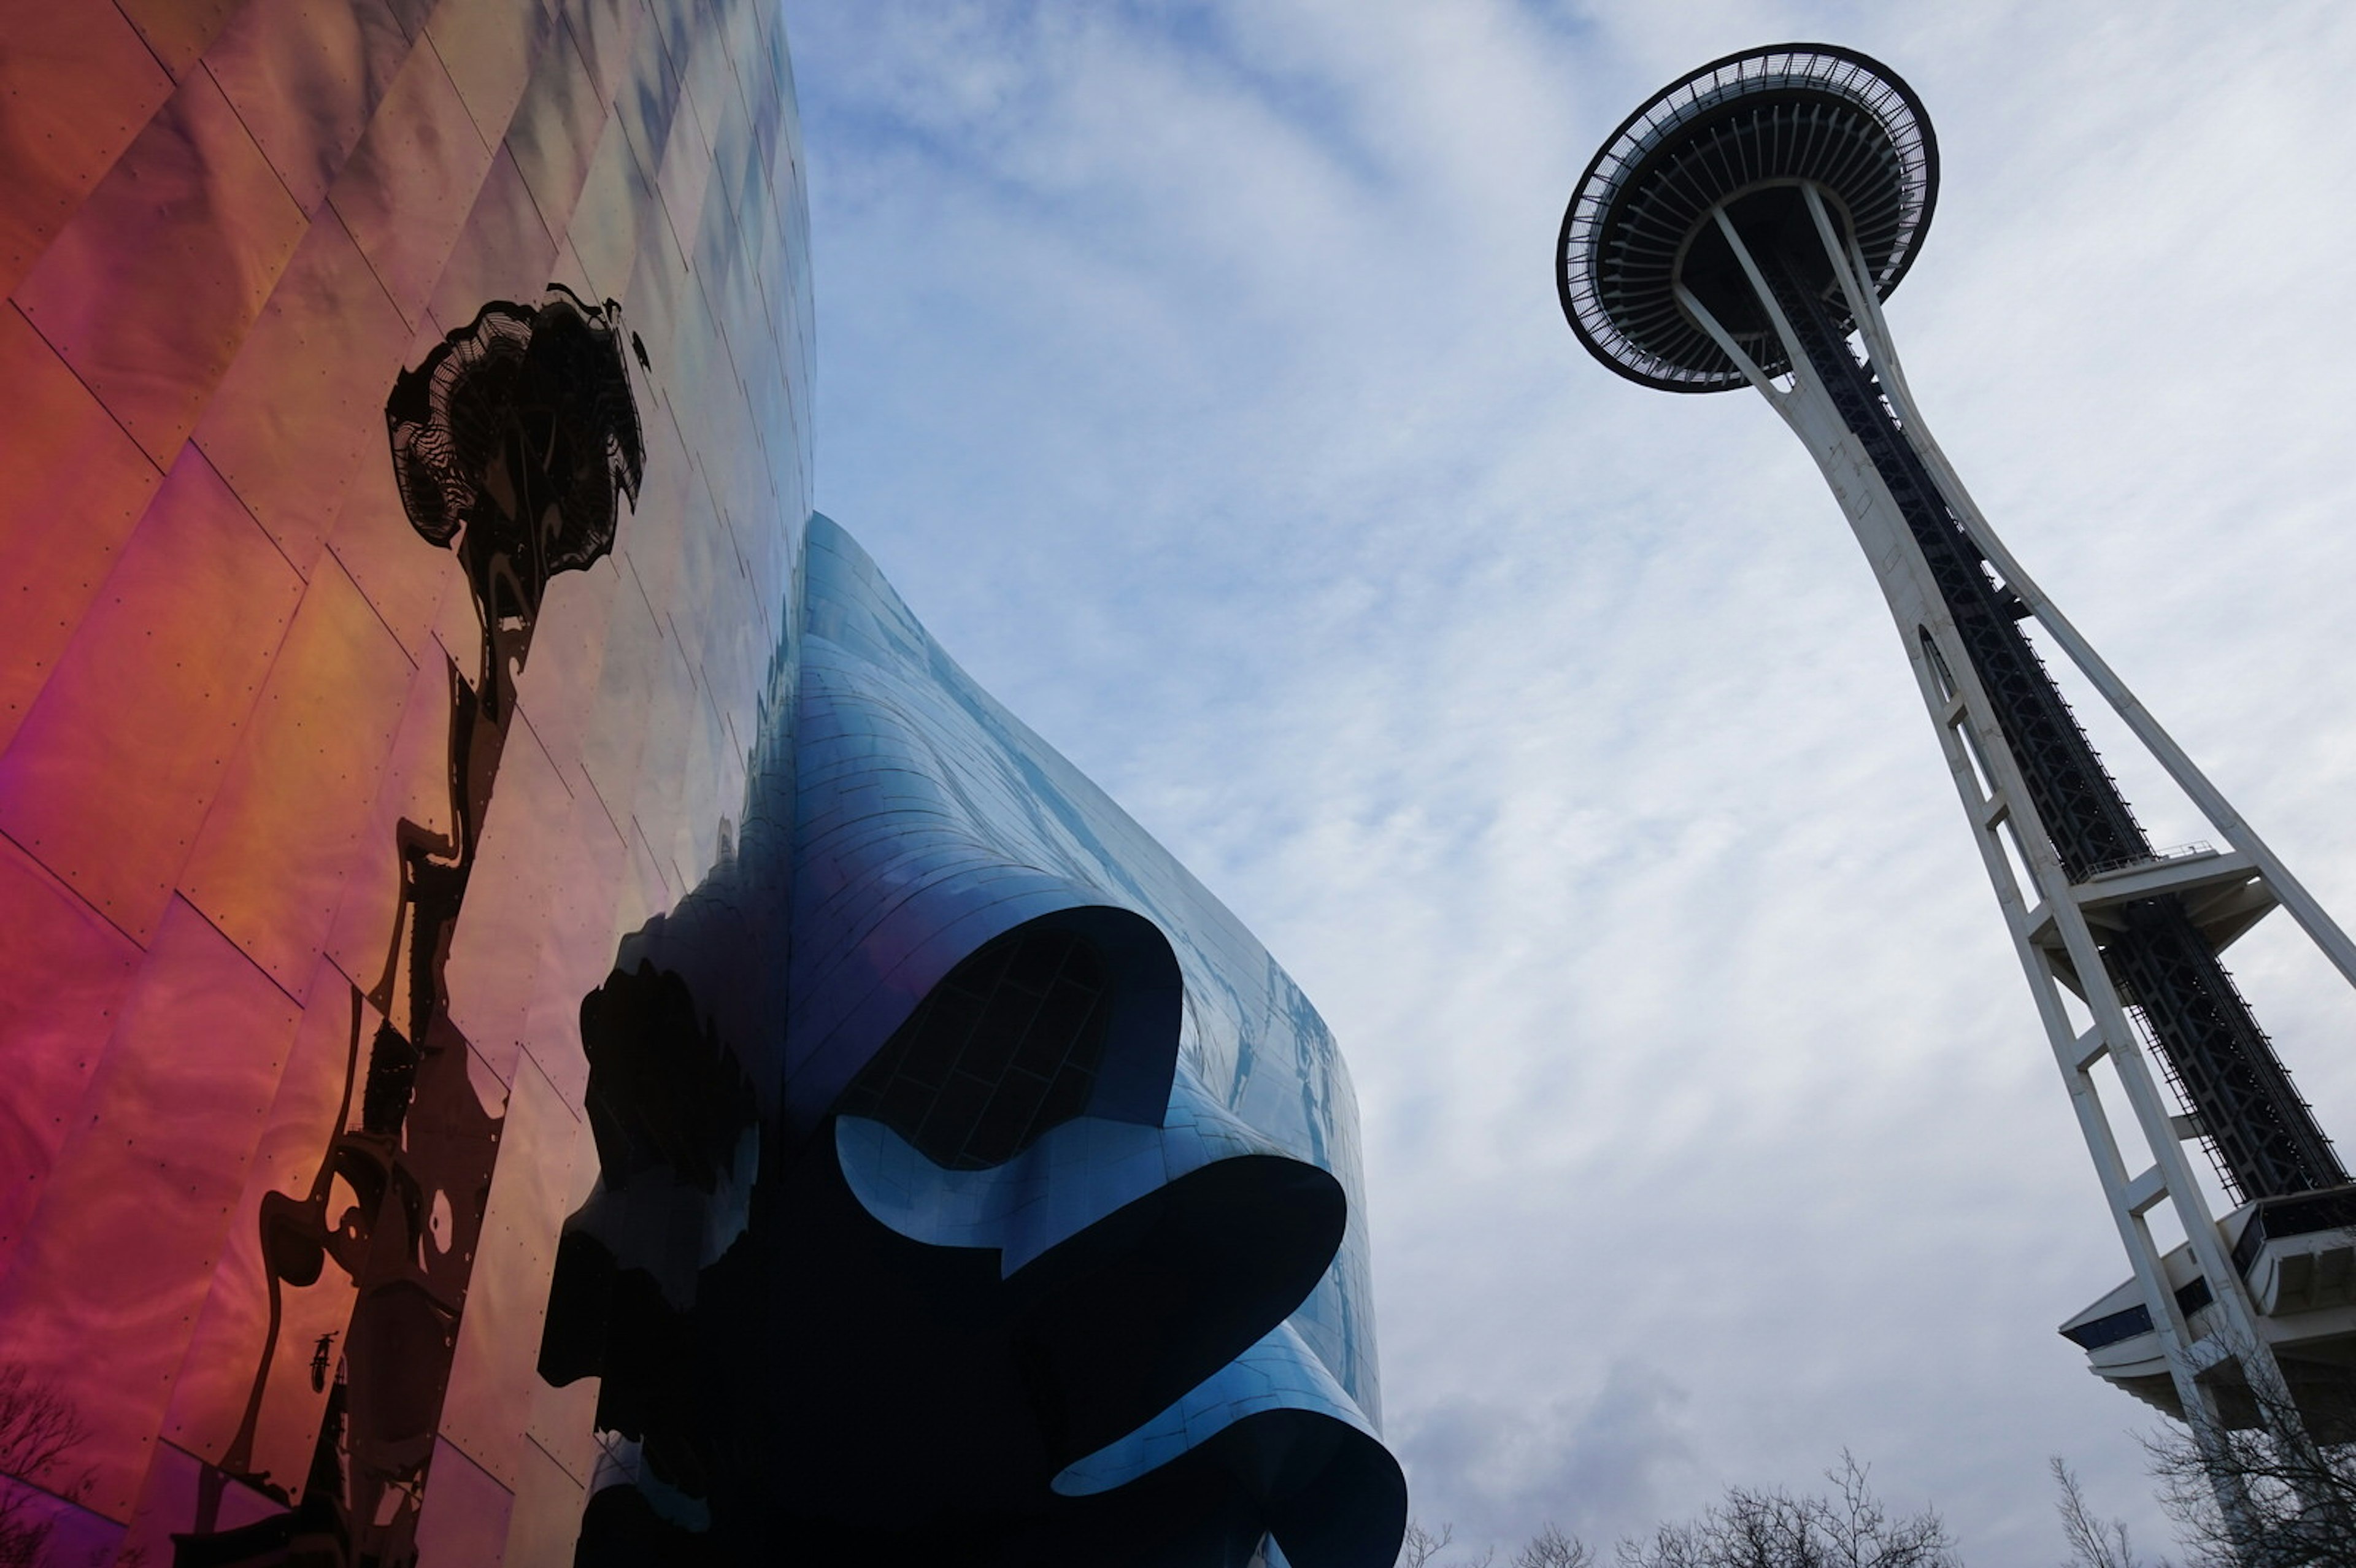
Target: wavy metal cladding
[
  {"x": 468, "y": 1098},
  {"x": 322, "y": 813}
]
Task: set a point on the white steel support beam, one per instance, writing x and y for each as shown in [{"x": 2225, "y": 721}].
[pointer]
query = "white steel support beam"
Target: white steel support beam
[{"x": 2049, "y": 917}]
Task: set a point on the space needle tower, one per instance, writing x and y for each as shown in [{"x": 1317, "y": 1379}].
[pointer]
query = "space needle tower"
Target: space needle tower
[{"x": 1742, "y": 228}]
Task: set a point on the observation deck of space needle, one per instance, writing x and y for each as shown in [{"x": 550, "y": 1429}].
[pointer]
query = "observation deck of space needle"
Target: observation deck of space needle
[{"x": 1743, "y": 227}]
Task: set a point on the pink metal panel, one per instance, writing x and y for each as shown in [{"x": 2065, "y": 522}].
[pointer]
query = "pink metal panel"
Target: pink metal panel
[
  {"x": 176, "y": 1493},
  {"x": 63, "y": 974},
  {"x": 179, "y": 31},
  {"x": 154, "y": 1164},
  {"x": 518, "y": 881},
  {"x": 413, "y": 789},
  {"x": 465, "y": 1524},
  {"x": 112, "y": 770},
  {"x": 545, "y": 1527},
  {"x": 503, "y": 253},
  {"x": 492, "y": 1375},
  {"x": 407, "y": 189},
  {"x": 616, "y": 208},
  {"x": 149, "y": 290},
  {"x": 78, "y": 84},
  {"x": 298, "y": 419},
  {"x": 555, "y": 128},
  {"x": 269, "y": 863},
  {"x": 253, "y": 1385},
  {"x": 73, "y": 485}
]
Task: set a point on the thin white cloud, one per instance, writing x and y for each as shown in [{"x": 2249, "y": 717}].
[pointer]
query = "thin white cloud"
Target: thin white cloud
[{"x": 1195, "y": 371}]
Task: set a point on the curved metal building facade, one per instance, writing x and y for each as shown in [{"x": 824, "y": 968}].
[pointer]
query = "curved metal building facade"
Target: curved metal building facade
[{"x": 545, "y": 1020}]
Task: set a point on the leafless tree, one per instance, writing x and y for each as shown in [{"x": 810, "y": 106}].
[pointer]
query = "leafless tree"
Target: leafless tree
[
  {"x": 2094, "y": 1543},
  {"x": 2297, "y": 1494},
  {"x": 1422, "y": 1549},
  {"x": 1550, "y": 1547},
  {"x": 1852, "y": 1529},
  {"x": 38, "y": 1429}
]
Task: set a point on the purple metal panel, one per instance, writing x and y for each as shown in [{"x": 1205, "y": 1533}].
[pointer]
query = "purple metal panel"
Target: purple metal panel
[
  {"x": 112, "y": 770},
  {"x": 79, "y": 84},
  {"x": 64, "y": 972},
  {"x": 154, "y": 1165},
  {"x": 464, "y": 1523},
  {"x": 150, "y": 289}
]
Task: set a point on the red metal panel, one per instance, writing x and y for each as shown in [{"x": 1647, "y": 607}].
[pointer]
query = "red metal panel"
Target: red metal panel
[
  {"x": 299, "y": 417},
  {"x": 112, "y": 770},
  {"x": 63, "y": 974},
  {"x": 154, "y": 1164},
  {"x": 78, "y": 84},
  {"x": 149, "y": 290},
  {"x": 73, "y": 485},
  {"x": 269, "y": 863},
  {"x": 407, "y": 189}
]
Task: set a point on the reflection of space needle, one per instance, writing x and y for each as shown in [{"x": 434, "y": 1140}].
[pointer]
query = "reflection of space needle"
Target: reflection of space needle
[{"x": 1744, "y": 226}]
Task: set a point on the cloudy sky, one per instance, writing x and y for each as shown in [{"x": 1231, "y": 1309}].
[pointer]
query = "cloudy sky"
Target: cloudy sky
[{"x": 1195, "y": 371}]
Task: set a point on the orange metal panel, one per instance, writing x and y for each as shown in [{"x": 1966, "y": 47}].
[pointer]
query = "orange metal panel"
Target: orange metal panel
[
  {"x": 150, "y": 289},
  {"x": 250, "y": 1390},
  {"x": 179, "y": 31},
  {"x": 490, "y": 47},
  {"x": 63, "y": 974},
  {"x": 304, "y": 76},
  {"x": 557, "y": 689},
  {"x": 492, "y": 1375},
  {"x": 414, "y": 789},
  {"x": 407, "y": 189},
  {"x": 78, "y": 84},
  {"x": 465, "y": 1524},
  {"x": 112, "y": 770},
  {"x": 154, "y": 1164},
  {"x": 269, "y": 863},
  {"x": 300, "y": 415},
  {"x": 73, "y": 485},
  {"x": 401, "y": 578}
]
